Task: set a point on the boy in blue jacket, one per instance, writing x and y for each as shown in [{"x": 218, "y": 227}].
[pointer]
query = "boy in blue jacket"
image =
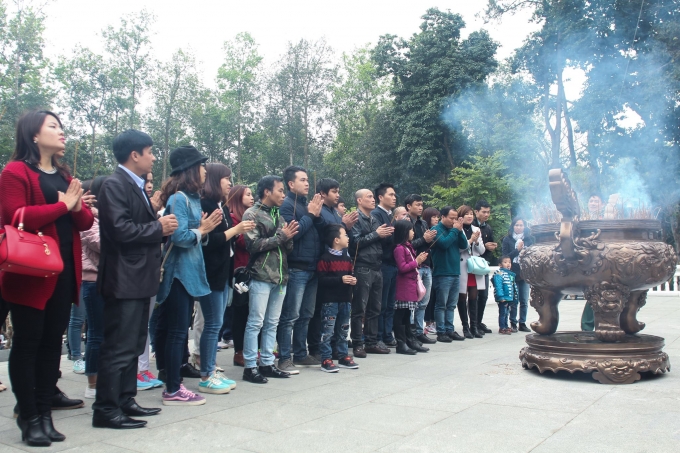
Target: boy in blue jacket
[{"x": 505, "y": 292}]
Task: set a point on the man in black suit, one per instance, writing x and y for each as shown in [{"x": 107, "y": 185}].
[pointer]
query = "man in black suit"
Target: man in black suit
[{"x": 129, "y": 275}]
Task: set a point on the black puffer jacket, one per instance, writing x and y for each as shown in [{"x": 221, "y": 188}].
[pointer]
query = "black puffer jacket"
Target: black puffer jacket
[{"x": 365, "y": 243}]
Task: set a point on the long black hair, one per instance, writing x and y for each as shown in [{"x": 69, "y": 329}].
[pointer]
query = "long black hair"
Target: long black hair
[
  {"x": 401, "y": 229},
  {"x": 25, "y": 148}
]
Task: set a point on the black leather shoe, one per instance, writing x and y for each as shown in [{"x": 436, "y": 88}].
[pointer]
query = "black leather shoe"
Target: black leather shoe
[
  {"x": 359, "y": 352},
  {"x": 133, "y": 409},
  {"x": 375, "y": 349},
  {"x": 121, "y": 421},
  {"x": 513, "y": 327},
  {"x": 475, "y": 333},
  {"x": 417, "y": 346},
  {"x": 467, "y": 333},
  {"x": 271, "y": 371},
  {"x": 32, "y": 432},
  {"x": 443, "y": 338},
  {"x": 253, "y": 375},
  {"x": 48, "y": 428},
  {"x": 523, "y": 327},
  {"x": 483, "y": 328},
  {"x": 425, "y": 339},
  {"x": 62, "y": 402},
  {"x": 455, "y": 336},
  {"x": 189, "y": 371}
]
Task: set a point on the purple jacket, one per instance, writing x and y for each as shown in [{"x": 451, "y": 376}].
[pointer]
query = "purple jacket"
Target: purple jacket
[{"x": 407, "y": 278}]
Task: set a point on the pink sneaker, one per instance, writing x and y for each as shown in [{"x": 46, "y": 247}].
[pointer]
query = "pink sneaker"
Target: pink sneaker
[{"x": 182, "y": 397}]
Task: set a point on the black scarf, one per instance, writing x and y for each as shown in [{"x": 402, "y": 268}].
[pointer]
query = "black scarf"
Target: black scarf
[{"x": 468, "y": 230}]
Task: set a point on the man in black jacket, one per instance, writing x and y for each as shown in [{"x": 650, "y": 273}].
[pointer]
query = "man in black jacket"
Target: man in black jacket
[
  {"x": 387, "y": 201},
  {"x": 366, "y": 253},
  {"x": 129, "y": 275},
  {"x": 482, "y": 214},
  {"x": 422, "y": 240}
]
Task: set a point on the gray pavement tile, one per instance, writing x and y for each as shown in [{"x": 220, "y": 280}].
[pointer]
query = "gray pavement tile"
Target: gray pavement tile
[
  {"x": 186, "y": 436},
  {"x": 322, "y": 436},
  {"x": 485, "y": 428},
  {"x": 268, "y": 416},
  {"x": 386, "y": 418},
  {"x": 334, "y": 396}
]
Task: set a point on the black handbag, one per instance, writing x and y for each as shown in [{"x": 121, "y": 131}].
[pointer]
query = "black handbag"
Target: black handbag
[{"x": 242, "y": 276}]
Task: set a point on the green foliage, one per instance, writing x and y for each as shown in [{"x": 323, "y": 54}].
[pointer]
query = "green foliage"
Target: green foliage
[{"x": 483, "y": 178}]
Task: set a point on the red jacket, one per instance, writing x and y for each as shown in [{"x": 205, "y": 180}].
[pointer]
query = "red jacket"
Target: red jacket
[
  {"x": 241, "y": 255},
  {"x": 20, "y": 187}
]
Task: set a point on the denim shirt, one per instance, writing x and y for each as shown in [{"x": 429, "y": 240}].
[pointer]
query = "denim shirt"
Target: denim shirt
[{"x": 185, "y": 261}]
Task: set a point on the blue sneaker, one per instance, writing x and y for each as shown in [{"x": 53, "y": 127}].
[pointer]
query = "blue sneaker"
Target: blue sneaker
[
  {"x": 213, "y": 385},
  {"x": 143, "y": 384},
  {"x": 220, "y": 375},
  {"x": 149, "y": 377}
]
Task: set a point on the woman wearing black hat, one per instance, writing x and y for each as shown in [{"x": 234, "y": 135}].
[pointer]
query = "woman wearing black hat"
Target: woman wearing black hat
[{"x": 183, "y": 277}]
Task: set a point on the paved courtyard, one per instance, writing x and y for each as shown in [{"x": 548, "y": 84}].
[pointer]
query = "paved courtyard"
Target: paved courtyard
[{"x": 464, "y": 396}]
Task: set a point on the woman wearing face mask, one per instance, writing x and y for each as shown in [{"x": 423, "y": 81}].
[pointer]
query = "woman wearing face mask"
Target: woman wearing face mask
[
  {"x": 470, "y": 284},
  {"x": 239, "y": 200},
  {"x": 218, "y": 255},
  {"x": 183, "y": 271},
  {"x": 519, "y": 236}
]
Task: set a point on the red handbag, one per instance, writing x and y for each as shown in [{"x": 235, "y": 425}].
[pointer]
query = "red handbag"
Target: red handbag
[{"x": 26, "y": 253}]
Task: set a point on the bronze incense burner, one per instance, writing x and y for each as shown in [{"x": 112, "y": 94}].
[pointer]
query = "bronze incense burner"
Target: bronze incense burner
[{"x": 613, "y": 264}]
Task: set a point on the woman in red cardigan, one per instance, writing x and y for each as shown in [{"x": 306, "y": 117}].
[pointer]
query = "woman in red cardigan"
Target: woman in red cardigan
[
  {"x": 240, "y": 199},
  {"x": 36, "y": 181}
]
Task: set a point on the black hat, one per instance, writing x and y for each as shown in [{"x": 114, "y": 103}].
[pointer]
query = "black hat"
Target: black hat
[{"x": 185, "y": 157}]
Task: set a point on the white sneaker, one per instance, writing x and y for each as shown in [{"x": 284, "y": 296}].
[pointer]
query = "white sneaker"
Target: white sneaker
[
  {"x": 222, "y": 345},
  {"x": 90, "y": 393},
  {"x": 79, "y": 366}
]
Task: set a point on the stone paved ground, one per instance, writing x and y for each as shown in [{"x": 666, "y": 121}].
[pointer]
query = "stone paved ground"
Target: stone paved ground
[{"x": 467, "y": 396}]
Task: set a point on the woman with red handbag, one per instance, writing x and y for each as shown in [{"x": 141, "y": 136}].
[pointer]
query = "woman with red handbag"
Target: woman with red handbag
[{"x": 47, "y": 201}]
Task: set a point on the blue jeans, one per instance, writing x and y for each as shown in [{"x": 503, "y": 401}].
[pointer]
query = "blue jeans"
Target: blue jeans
[
  {"x": 75, "y": 330},
  {"x": 176, "y": 310},
  {"x": 266, "y": 300},
  {"x": 225, "y": 331},
  {"x": 419, "y": 315},
  {"x": 334, "y": 325},
  {"x": 297, "y": 310},
  {"x": 447, "y": 299},
  {"x": 503, "y": 310},
  {"x": 389, "y": 289},
  {"x": 523, "y": 288},
  {"x": 94, "y": 308},
  {"x": 212, "y": 307}
]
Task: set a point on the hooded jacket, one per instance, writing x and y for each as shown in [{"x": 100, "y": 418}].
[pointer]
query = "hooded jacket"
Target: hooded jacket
[
  {"x": 505, "y": 288},
  {"x": 269, "y": 245}
]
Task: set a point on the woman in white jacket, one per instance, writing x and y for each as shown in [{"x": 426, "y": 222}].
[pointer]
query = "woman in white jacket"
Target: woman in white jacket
[{"x": 470, "y": 284}]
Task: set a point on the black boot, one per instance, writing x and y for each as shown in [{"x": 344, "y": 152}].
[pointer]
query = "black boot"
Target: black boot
[
  {"x": 402, "y": 348},
  {"x": 467, "y": 333},
  {"x": 413, "y": 343},
  {"x": 32, "y": 432},
  {"x": 48, "y": 428}
]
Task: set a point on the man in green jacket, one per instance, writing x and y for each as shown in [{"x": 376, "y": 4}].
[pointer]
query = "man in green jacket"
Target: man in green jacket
[
  {"x": 269, "y": 245},
  {"x": 446, "y": 246}
]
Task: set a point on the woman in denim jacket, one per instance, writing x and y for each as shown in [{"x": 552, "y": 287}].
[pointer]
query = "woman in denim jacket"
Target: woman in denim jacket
[{"x": 183, "y": 271}]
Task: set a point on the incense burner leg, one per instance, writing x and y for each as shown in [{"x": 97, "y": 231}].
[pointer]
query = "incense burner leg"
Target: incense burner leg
[
  {"x": 628, "y": 318},
  {"x": 607, "y": 301},
  {"x": 545, "y": 302}
]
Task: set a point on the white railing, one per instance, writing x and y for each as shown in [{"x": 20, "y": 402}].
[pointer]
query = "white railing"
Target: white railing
[{"x": 670, "y": 288}]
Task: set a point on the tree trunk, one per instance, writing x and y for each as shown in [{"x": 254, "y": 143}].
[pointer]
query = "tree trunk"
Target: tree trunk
[
  {"x": 238, "y": 152},
  {"x": 306, "y": 144},
  {"x": 567, "y": 121}
]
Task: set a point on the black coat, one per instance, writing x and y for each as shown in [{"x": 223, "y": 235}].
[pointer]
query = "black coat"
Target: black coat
[
  {"x": 509, "y": 249},
  {"x": 364, "y": 241},
  {"x": 217, "y": 251},
  {"x": 419, "y": 243},
  {"x": 130, "y": 259},
  {"x": 487, "y": 236},
  {"x": 387, "y": 243}
]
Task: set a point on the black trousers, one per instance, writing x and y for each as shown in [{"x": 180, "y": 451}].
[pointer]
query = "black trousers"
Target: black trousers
[
  {"x": 126, "y": 323},
  {"x": 238, "y": 327},
  {"x": 482, "y": 297},
  {"x": 36, "y": 346},
  {"x": 366, "y": 300}
]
